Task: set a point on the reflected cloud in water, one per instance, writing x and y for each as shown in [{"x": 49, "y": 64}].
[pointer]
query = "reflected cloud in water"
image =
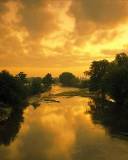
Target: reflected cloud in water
[{"x": 62, "y": 131}]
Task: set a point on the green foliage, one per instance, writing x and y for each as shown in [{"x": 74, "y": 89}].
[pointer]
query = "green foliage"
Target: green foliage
[{"x": 68, "y": 79}]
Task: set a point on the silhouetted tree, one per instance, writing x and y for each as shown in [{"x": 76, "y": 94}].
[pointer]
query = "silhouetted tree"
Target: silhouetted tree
[
  {"x": 47, "y": 80},
  {"x": 97, "y": 71},
  {"x": 11, "y": 91},
  {"x": 36, "y": 86},
  {"x": 116, "y": 79},
  {"x": 22, "y": 77},
  {"x": 121, "y": 59},
  {"x": 68, "y": 79}
]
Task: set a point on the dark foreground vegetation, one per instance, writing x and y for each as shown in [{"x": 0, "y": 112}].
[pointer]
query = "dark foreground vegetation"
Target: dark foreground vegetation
[
  {"x": 15, "y": 90},
  {"x": 109, "y": 81}
]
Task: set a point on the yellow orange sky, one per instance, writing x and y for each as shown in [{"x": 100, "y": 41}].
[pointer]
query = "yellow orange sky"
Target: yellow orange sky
[{"x": 40, "y": 36}]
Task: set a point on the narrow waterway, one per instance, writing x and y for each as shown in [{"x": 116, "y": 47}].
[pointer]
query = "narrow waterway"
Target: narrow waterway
[{"x": 61, "y": 130}]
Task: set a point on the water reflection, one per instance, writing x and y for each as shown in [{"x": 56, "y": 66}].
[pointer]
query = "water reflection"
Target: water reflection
[
  {"x": 105, "y": 112},
  {"x": 62, "y": 131},
  {"x": 10, "y": 127}
]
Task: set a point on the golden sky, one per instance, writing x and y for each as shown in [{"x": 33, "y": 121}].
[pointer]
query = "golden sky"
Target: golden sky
[{"x": 40, "y": 36}]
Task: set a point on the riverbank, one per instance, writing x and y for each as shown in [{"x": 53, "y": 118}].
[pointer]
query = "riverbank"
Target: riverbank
[
  {"x": 79, "y": 92},
  {"x": 6, "y": 110},
  {"x": 58, "y": 131}
]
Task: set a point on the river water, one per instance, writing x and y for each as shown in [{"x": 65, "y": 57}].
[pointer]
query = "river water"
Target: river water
[{"x": 59, "y": 131}]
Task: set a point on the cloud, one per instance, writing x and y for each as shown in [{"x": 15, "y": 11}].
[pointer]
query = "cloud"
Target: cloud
[
  {"x": 60, "y": 34},
  {"x": 99, "y": 13},
  {"x": 23, "y": 25},
  {"x": 100, "y": 25},
  {"x": 97, "y": 20},
  {"x": 37, "y": 17},
  {"x": 2, "y": 6}
]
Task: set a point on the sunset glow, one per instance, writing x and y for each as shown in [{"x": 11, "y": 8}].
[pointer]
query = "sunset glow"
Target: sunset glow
[{"x": 40, "y": 36}]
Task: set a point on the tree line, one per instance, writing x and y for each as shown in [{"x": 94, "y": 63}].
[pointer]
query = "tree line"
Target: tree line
[
  {"x": 14, "y": 90},
  {"x": 68, "y": 79},
  {"x": 110, "y": 78},
  {"x": 109, "y": 82}
]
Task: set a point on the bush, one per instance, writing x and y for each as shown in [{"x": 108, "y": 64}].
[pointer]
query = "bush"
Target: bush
[{"x": 68, "y": 79}]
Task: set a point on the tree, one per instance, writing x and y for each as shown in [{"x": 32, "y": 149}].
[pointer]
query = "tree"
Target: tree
[
  {"x": 22, "y": 77},
  {"x": 111, "y": 78},
  {"x": 36, "y": 86},
  {"x": 68, "y": 79},
  {"x": 47, "y": 80},
  {"x": 22, "y": 81},
  {"x": 97, "y": 71},
  {"x": 116, "y": 79},
  {"x": 121, "y": 59},
  {"x": 11, "y": 91}
]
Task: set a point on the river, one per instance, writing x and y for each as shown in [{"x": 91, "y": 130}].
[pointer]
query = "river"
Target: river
[{"x": 59, "y": 130}]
